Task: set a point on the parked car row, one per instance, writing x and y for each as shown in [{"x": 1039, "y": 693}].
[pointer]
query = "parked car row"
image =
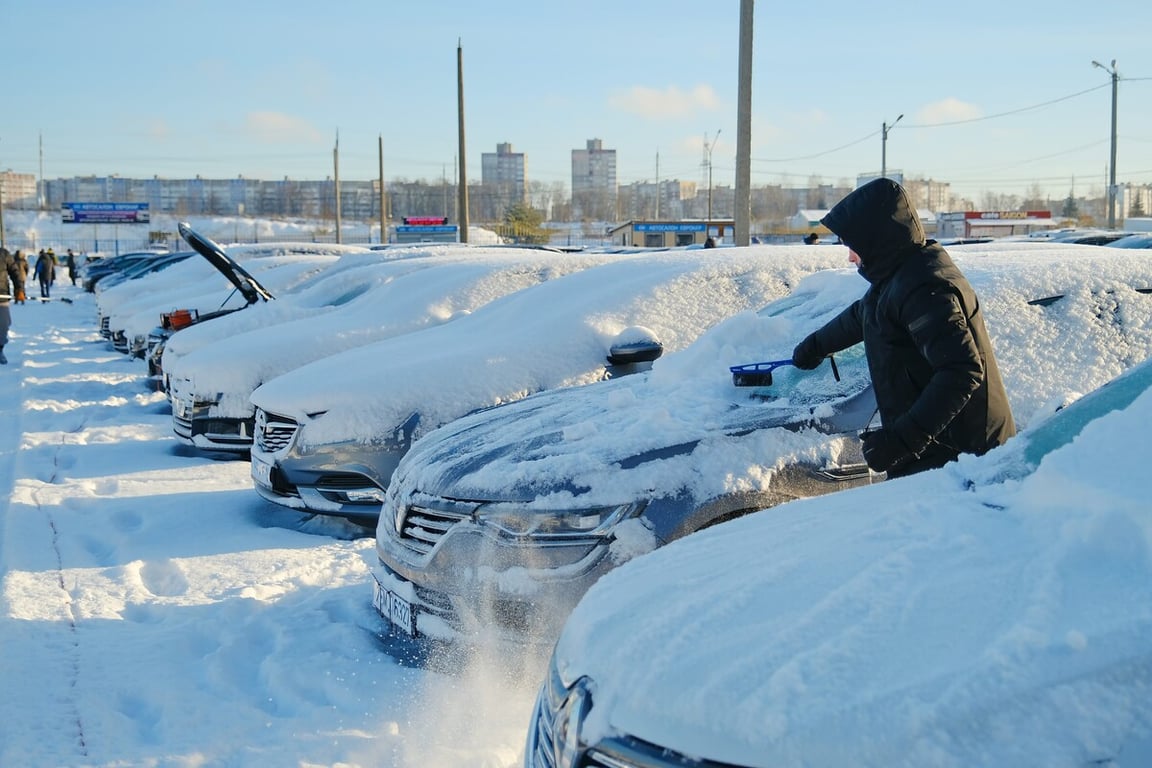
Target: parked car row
[{"x": 517, "y": 424}]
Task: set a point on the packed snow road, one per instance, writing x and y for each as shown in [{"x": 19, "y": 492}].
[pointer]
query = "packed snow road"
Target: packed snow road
[{"x": 154, "y": 611}]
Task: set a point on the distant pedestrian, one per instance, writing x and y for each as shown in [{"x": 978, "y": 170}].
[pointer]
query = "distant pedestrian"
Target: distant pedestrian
[
  {"x": 811, "y": 238},
  {"x": 72, "y": 266},
  {"x": 12, "y": 286},
  {"x": 45, "y": 273},
  {"x": 55, "y": 263},
  {"x": 23, "y": 266},
  {"x": 710, "y": 242}
]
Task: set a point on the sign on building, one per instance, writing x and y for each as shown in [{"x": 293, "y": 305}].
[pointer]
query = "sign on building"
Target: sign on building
[
  {"x": 427, "y": 229},
  {"x": 105, "y": 213}
]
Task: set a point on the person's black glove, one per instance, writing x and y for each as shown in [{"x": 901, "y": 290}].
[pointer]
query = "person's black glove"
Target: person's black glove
[
  {"x": 883, "y": 449},
  {"x": 807, "y": 354}
]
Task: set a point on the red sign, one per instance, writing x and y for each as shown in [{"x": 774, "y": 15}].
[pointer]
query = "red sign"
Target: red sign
[
  {"x": 1008, "y": 214},
  {"x": 425, "y": 221}
]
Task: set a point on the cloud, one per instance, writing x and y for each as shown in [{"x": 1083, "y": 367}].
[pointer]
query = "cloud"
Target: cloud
[
  {"x": 279, "y": 128},
  {"x": 949, "y": 110},
  {"x": 658, "y": 104},
  {"x": 157, "y": 128}
]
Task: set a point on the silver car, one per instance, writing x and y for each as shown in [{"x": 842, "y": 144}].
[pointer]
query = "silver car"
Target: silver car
[
  {"x": 500, "y": 521},
  {"x": 329, "y": 434}
]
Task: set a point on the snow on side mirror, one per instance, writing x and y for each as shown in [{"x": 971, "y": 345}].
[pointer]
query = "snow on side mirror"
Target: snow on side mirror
[{"x": 636, "y": 344}]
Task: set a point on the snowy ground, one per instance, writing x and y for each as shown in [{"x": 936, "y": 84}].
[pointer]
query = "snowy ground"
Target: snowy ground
[{"x": 154, "y": 611}]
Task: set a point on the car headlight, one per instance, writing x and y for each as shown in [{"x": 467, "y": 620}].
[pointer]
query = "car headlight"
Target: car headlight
[
  {"x": 519, "y": 521},
  {"x": 569, "y": 719}
]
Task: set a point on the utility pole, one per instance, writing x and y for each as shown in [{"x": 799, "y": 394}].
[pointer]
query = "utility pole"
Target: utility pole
[
  {"x": 1112, "y": 164},
  {"x": 40, "y": 193},
  {"x": 383, "y": 193},
  {"x": 742, "y": 216},
  {"x": 462, "y": 192},
  {"x": 336, "y": 171},
  {"x": 709, "y": 147},
  {"x": 884, "y": 128},
  {"x": 657, "y": 186}
]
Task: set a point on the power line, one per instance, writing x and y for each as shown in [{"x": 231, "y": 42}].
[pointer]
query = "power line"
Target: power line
[
  {"x": 873, "y": 134},
  {"x": 1010, "y": 112}
]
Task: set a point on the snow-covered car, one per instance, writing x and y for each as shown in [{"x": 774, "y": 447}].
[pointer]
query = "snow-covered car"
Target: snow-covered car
[
  {"x": 212, "y": 370},
  {"x": 994, "y": 612},
  {"x": 129, "y": 312},
  {"x": 331, "y": 448},
  {"x": 500, "y": 521},
  {"x": 141, "y": 268},
  {"x": 95, "y": 271}
]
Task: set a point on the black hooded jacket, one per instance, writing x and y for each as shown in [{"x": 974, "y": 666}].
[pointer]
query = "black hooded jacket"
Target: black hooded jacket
[{"x": 937, "y": 384}]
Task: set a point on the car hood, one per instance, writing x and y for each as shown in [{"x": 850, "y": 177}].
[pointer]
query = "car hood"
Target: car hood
[
  {"x": 644, "y": 435},
  {"x": 994, "y": 612},
  {"x": 248, "y": 286}
]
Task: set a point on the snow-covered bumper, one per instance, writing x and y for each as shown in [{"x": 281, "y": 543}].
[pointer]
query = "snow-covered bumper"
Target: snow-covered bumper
[
  {"x": 198, "y": 421},
  {"x": 453, "y": 570},
  {"x": 346, "y": 479}
]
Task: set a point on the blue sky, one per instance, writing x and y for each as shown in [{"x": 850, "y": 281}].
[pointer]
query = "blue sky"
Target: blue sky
[{"x": 995, "y": 96}]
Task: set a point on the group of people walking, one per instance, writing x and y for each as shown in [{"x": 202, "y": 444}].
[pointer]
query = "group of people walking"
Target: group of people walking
[
  {"x": 43, "y": 271},
  {"x": 14, "y": 268}
]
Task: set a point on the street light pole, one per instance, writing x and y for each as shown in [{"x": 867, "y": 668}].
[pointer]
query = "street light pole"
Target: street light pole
[
  {"x": 884, "y": 128},
  {"x": 711, "y": 146},
  {"x": 1112, "y": 164}
]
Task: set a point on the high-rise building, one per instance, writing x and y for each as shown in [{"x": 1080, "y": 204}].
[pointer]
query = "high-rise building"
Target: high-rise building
[
  {"x": 503, "y": 178},
  {"x": 594, "y": 192},
  {"x": 18, "y": 190}
]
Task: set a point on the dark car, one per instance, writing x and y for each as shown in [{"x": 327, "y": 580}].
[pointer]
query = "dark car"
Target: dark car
[
  {"x": 1135, "y": 240},
  {"x": 501, "y": 520},
  {"x": 96, "y": 270},
  {"x": 143, "y": 267}
]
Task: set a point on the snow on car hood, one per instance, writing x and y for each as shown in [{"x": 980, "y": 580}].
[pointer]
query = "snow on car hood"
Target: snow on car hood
[
  {"x": 383, "y": 301},
  {"x": 982, "y": 614},
  {"x": 676, "y": 430},
  {"x": 672, "y": 429},
  {"x": 554, "y": 334}
]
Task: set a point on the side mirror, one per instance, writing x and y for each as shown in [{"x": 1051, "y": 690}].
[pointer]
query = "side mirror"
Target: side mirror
[{"x": 635, "y": 345}]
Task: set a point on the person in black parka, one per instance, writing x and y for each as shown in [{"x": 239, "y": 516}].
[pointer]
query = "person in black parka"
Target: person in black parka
[
  {"x": 938, "y": 388},
  {"x": 11, "y": 286}
]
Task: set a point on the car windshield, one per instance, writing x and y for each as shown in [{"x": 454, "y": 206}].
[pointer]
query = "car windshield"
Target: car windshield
[
  {"x": 844, "y": 375},
  {"x": 1065, "y": 425}
]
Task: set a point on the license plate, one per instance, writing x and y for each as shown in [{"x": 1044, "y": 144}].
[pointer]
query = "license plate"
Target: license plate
[
  {"x": 262, "y": 472},
  {"x": 394, "y": 609}
]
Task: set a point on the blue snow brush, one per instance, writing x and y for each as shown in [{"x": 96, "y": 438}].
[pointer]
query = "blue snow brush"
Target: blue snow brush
[
  {"x": 760, "y": 374},
  {"x": 756, "y": 374}
]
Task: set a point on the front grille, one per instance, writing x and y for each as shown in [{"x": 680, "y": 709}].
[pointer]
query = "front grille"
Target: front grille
[
  {"x": 274, "y": 432},
  {"x": 425, "y": 524},
  {"x": 105, "y": 330}
]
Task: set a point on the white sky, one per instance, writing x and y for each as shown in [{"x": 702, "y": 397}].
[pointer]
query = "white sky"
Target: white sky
[
  {"x": 155, "y": 611},
  {"x": 993, "y": 95}
]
